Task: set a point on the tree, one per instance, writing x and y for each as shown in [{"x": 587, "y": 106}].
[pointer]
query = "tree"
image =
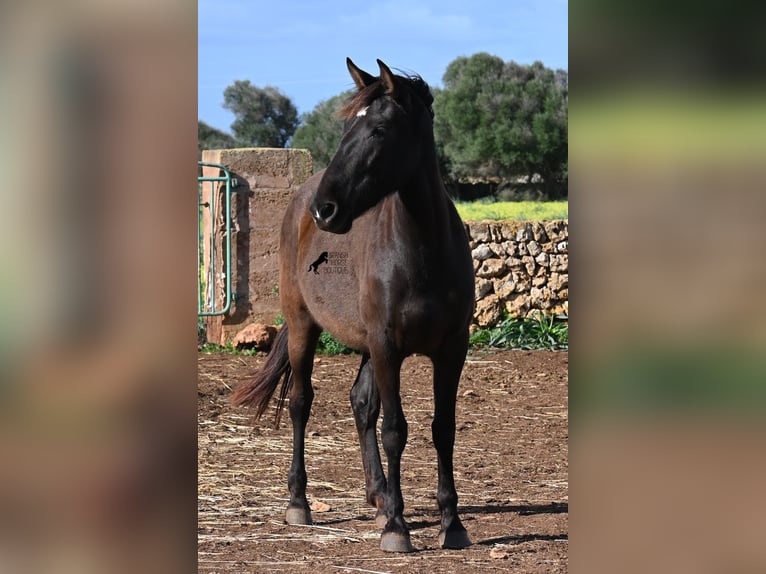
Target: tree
[
  {"x": 209, "y": 137},
  {"x": 265, "y": 117},
  {"x": 505, "y": 120},
  {"x": 321, "y": 129}
]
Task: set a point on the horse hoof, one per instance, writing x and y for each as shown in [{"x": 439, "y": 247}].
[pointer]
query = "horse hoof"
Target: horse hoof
[
  {"x": 298, "y": 516},
  {"x": 454, "y": 539},
  {"x": 381, "y": 519},
  {"x": 395, "y": 542}
]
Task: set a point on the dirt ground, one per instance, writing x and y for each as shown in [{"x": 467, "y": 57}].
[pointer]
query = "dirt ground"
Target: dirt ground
[{"x": 510, "y": 472}]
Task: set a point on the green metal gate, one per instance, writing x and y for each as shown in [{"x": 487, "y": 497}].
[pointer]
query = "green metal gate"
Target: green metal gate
[{"x": 214, "y": 294}]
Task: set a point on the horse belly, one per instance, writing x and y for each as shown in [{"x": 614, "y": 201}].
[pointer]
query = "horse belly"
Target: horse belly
[{"x": 423, "y": 324}]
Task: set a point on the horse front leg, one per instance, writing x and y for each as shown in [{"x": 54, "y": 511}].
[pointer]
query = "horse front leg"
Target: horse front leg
[
  {"x": 447, "y": 369},
  {"x": 365, "y": 402},
  {"x": 396, "y": 533},
  {"x": 301, "y": 347}
]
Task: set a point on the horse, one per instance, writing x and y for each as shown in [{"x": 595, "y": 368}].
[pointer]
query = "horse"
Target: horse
[{"x": 399, "y": 281}]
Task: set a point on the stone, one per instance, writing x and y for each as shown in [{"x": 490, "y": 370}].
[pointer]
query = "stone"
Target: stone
[
  {"x": 513, "y": 263},
  {"x": 558, "y": 281},
  {"x": 480, "y": 232},
  {"x": 534, "y": 248},
  {"x": 556, "y": 229},
  {"x": 255, "y": 335},
  {"x": 559, "y": 263},
  {"x": 504, "y": 288},
  {"x": 498, "y": 249},
  {"x": 483, "y": 288},
  {"x": 520, "y": 281},
  {"x": 535, "y": 314},
  {"x": 506, "y": 231},
  {"x": 319, "y": 506},
  {"x": 542, "y": 259},
  {"x": 538, "y": 231},
  {"x": 481, "y": 252},
  {"x": 529, "y": 264},
  {"x": 488, "y": 311},
  {"x": 491, "y": 268},
  {"x": 517, "y": 305},
  {"x": 562, "y": 246},
  {"x": 510, "y": 248},
  {"x": 539, "y": 296},
  {"x": 557, "y": 310},
  {"x": 524, "y": 234}
]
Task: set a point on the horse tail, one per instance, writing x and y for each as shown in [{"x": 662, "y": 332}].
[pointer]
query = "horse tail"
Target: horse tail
[{"x": 257, "y": 393}]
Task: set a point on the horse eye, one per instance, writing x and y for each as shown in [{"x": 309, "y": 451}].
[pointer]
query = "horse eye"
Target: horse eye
[{"x": 378, "y": 132}]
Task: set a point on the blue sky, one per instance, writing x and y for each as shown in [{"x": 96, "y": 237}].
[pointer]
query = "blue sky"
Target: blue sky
[{"x": 300, "y": 46}]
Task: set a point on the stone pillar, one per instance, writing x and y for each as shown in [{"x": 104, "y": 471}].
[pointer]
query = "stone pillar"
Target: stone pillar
[{"x": 266, "y": 179}]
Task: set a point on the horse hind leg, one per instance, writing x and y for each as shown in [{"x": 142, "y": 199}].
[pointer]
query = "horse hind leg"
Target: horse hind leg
[
  {"x": 365, "y": 402},
  {"x": 447, "y": 369},
  {"x": 301, "y": 347}
]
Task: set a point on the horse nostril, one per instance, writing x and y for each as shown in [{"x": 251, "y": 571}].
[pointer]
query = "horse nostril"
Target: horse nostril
[{"x": 327, "y": 211}]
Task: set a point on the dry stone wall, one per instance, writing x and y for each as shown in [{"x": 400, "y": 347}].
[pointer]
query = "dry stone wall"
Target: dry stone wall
[{"x": 522, "y": 269}]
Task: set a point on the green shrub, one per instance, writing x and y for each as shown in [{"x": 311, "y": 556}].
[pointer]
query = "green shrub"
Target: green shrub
[
  {"x": 536, "y": 333},
  {"x": 329, "y": 345}
]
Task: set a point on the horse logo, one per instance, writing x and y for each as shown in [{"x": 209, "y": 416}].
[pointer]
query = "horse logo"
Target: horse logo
[{"x": 315, "y": 265}]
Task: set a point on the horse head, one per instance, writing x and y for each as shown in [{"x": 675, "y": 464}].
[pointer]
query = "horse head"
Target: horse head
[{"x": 388, "y": 135}]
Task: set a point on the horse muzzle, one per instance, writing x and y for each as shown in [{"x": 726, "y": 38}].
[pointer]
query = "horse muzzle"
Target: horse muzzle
[{"x": 327, "y": 216}]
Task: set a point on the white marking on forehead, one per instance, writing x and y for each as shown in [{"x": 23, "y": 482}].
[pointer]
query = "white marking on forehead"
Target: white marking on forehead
[{"x": 362, "y": 112}]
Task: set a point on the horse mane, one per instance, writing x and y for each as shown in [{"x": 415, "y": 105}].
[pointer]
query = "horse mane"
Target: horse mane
[{"x": 368, "y": 94}]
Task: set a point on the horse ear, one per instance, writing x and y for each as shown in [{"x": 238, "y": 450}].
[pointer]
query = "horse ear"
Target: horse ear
[
  {"x": 387, "y": 77},
  {"x": 361, "y": 78}
]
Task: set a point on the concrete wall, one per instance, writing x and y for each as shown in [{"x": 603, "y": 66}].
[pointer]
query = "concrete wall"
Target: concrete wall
[{"x": 267, "y": 178}]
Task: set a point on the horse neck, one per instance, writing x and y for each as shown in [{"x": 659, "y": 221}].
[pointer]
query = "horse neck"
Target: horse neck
[{"x": 427, "y": 204}]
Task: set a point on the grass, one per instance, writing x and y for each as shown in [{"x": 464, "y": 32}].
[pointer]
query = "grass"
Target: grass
[
  {"x": 512, "y": 210},
  {"x": 514, "y": 333},
  {"x": 229, "y": 349}
]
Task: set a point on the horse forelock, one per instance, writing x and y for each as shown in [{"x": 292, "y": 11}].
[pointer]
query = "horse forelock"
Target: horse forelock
[
  {"x": 361, "y": 100},
  {"x": 357, "y": 103}
]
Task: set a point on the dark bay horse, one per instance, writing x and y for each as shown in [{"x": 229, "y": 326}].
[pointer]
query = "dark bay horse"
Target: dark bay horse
[{"x": 389, "y": 274}]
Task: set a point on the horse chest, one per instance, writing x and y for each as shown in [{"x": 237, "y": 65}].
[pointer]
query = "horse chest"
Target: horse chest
[
  {"x": 416, "y": 310},
  {"x": 383, "y": 278}
]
